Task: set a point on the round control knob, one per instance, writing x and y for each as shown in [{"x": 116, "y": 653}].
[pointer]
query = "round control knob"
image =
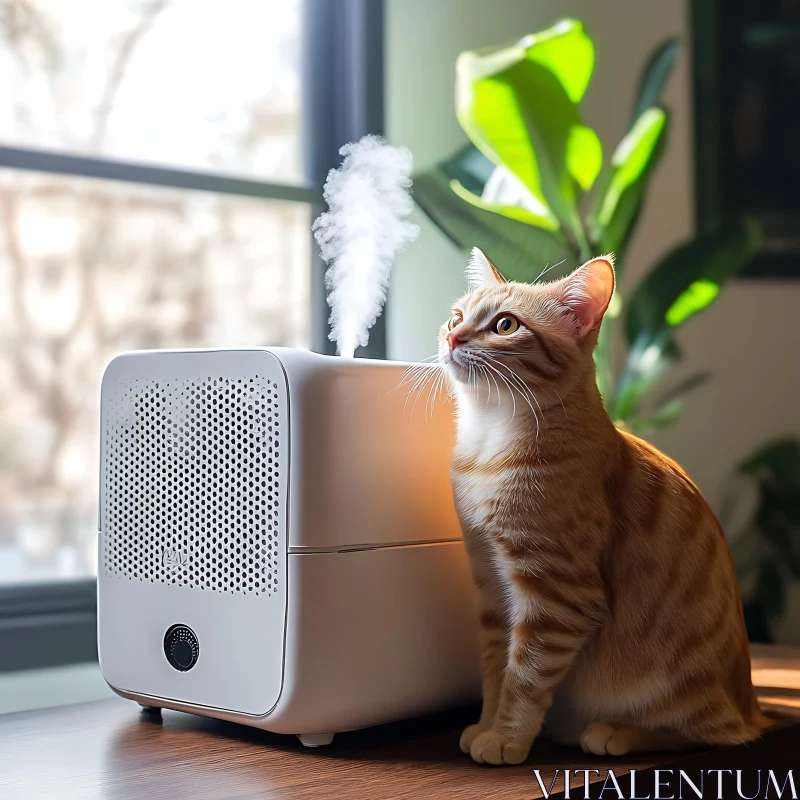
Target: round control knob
[{"x": 181, "y": 647}]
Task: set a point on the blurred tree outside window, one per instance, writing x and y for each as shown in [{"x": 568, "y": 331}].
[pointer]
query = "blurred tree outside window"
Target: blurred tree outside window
[{"x": 90, "y": 268}]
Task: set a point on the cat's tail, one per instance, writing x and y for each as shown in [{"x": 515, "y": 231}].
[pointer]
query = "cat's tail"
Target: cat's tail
[
  {"x": 735, "y": 722},
  {"x": 765, "y": 723}
]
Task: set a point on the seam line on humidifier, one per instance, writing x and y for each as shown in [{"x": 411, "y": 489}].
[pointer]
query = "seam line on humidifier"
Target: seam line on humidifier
[{"x": 359, "y": 547}]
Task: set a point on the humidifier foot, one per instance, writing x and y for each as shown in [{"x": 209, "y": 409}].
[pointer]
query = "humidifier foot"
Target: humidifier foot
[
  {"x": 315, "y": 739},
  {"x": 150, "y": 710}
]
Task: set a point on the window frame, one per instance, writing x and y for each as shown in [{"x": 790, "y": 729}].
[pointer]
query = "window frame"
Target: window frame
[{"x": 55, "y": 623}]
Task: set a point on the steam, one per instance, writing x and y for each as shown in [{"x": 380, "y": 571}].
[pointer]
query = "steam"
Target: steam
[{"x": 362, "y": 232}]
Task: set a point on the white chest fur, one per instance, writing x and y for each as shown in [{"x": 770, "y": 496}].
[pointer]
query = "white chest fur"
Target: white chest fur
[{"x": 485, "y": 433}]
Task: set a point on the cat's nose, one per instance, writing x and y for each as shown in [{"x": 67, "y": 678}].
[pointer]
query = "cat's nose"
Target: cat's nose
[{"x": 454, "y": 339}]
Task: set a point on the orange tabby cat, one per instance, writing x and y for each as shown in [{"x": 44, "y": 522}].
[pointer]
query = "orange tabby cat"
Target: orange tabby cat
[{"x": 609, "y": 606}]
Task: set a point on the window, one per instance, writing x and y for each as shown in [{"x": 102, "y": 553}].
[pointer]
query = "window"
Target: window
[
  {"x": 160, "y": 165},
  {"x": 183, "y": 83}
]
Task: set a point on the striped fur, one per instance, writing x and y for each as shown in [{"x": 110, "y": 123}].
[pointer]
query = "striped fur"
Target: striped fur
[{"x": 609, "y": 607}]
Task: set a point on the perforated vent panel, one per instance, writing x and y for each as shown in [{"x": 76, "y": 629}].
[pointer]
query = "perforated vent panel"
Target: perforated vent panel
[{"x": 191, "y": 482}]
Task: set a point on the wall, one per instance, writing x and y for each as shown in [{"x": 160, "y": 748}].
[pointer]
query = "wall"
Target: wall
[{"x": 748, "y": 339}]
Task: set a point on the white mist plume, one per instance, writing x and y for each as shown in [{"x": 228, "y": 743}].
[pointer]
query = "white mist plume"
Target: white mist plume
[{"x": 361, "y": 233}]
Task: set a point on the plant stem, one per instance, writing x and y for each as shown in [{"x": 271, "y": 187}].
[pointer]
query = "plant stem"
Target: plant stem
[
  {"x": 602, "y": 365},
  {"x": 602, "y": 356},
  {"x": 584, "y": 248}
]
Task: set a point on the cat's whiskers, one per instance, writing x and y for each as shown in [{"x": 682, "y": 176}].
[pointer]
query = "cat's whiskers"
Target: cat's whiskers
[
  {"x": 432, "y": 389},
  {"x": 479, "y": 372},
  {"x": 419, "y": 380},
  {"x": 533, "y": 394},
  {"x": 515, "y": 376},
  {"x": 561, "y": 400},
  {"x": 475, "y": 374},
  {"x": 519, "y": 384},
  {"x": 547, "y": 269},
  {"x": 415, "y": 369},
  {"x": 502, "y": 377},
  {"x": 429, "y": 384},
  {"x": 434, "y": 392},
  {"x": 527, "y": 388},
  {"x": 473, "y": 360},
  {"x": 510, "y": 390},
  {"x": 485, "y": 372},
  {"x": 429, "y": 375},
  {"x": 413, "y": 375},
  {"x": 497, "y": 387}
]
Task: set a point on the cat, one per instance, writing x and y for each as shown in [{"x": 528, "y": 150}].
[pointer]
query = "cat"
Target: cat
[{"x": 608, "y": 604}]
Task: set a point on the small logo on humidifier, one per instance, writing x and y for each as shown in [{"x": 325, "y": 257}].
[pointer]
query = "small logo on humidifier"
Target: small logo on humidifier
[{"x": 174, "y": 560}]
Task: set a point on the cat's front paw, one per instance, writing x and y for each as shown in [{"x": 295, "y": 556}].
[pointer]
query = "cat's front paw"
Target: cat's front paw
[
  {"x": 469, "y": 735},
  {"x": 605, "y": 738},
  {"x": 491, "y": 747}
]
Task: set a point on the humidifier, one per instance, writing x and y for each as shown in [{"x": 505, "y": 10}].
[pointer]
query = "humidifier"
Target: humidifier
[{"x": 278, "y": 544}]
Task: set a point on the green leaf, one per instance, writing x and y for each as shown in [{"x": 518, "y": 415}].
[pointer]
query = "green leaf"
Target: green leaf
[
  {"x": 709, "y": 259},
  {"x": 518, "y": 106},
  {"x": 512, "y": 212},
  {"x": 669, "y": 406},
  {"x": 617, "y": 204},
  {"x": 584, "y": 156},
  {"x": 694, "y": 298},
  {"x": 648, "y": 359},
  {"x": 519, "y": 250},
  {"x": 470, "y": 168},
  {"x": 602, "y": 360},
  {"x": 567, "y": 52},
  {"x": 631, "y": 159},
  {"x": 655, "y": 76},
  {"x": 668, "y": 296},
  {"x": 684, "y": 387},
  {"x": 506, "y": 189},
  {"x": 497, "y": 116},
  {"x": 662, "y": 417}
]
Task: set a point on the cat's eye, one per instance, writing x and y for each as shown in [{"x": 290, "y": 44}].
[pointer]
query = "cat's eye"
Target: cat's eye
[
  {"x": 456, "y": 319},
  {"x": 505, "y": 326}
]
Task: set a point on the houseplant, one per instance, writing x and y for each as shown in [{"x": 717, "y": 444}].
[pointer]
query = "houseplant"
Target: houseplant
[
  {"x": 533, "y": 188},
  {"x": 766, "y": 544}
]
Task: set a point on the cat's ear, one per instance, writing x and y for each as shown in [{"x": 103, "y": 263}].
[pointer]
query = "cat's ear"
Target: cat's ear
[
  {"x": 587, "y": 292},
  {"x": 481, "y": 273}
]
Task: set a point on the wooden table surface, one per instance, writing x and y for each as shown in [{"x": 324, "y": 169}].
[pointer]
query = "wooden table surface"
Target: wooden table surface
[{"x": 110, "y": 749}]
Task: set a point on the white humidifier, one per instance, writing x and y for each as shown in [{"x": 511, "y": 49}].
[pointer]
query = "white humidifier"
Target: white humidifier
[{"x": 278, "y": 544}]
